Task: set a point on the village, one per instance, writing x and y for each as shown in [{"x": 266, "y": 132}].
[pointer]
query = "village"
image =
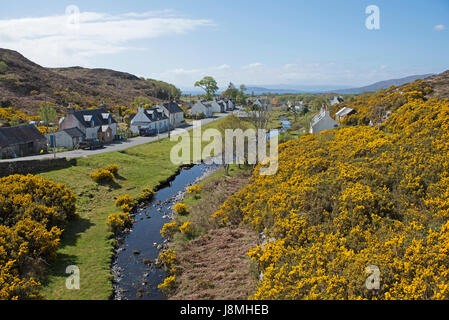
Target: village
[{"x": 96, "y": 127}]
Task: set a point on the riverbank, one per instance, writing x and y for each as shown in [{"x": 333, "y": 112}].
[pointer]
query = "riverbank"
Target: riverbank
[
  {"x": 86, "y": 242},
  {"x": 213, "y": 260},
  {"x": 135, "y": 265}
]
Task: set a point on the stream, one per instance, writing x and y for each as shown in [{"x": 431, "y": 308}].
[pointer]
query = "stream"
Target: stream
[{"x": 135, "y": 275}]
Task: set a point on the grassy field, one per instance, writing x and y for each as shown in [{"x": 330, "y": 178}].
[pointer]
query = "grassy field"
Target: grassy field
[{"x": 86, "y": 242}]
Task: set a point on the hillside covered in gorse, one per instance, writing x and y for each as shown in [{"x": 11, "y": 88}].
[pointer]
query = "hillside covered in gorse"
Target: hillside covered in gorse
[{"x": 354, "y": 198}]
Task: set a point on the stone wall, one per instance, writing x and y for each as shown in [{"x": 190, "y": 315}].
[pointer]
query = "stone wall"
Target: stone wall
[{"x": 34, "y": 166}]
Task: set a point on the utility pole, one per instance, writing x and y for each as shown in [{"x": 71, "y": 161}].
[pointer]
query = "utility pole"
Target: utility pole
[
  {"x": 169, "y": 120},
  {"x": 54, "y": 145}
]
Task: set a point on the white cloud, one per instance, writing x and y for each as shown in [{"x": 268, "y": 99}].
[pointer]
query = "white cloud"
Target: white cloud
[
  {"x": 312, "y": 73},
  {"x": 59, "y": 41},
  {"x": 253, "y": 65},
  {"x": 222, "y": 67},
  {"x": 440, "y": 27}
]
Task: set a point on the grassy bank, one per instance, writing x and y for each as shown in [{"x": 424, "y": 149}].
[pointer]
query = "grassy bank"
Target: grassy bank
[
  {"x": 87, "y": 242},
  {"x": 213, "y": 260}
]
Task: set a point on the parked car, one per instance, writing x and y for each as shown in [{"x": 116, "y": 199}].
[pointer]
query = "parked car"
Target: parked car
[
  {"x": 91, "y": 144},
  {"x": 147, "y": 132}
]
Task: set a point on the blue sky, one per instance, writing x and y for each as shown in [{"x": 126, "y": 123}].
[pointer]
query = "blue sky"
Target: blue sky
[{"x": 287, "y": 42}]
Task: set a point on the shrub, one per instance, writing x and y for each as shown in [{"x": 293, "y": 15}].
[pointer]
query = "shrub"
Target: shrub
[
  {"x": 147, "y": 194},
  {"x": 117, "y": 222},
  {"x": 186, "y": 228},
  {"x": 168, "y": 284},
  {"x": 194, "y": 189},
  {"x": 180, "y": 208},
  {"x": 102, "y": 176},
  {"x": 125, "y": 202},
  {"x": 169, "y": 229},
  {"x": 113, "y": 168},
  {"x": 167, "y": 258},
  {"x": 33, "y": 212}
]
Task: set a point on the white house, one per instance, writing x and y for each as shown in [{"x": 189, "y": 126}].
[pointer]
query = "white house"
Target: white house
[
  {"x": 217, "y": 106},
  {"x": 94, "y": 124},
  {"x": 153, "y": 119},
  {"x": 68, "y": 138},
  {"x": 322, "y": 121},
  {"x": 337, "y": 100},
  {"x": 230, "y": 106},
  {"x": 343, "y": 113},
  {"x": 202, "y": 107},
  {"x": 174, "y": 112}
]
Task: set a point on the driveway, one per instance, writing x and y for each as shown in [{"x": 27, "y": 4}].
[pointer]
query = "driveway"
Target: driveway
[{"x": 116, "y": 146}]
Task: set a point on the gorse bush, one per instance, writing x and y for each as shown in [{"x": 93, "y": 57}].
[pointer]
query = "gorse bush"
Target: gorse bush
[
  {"x": 102, "y": 176},
  {"x": 194, "y": 189},
  {"x": 169, "y": 229},
  {"x": 168, "y": 259},
  {"x": 147, "y": 194},
  {"x": 354, "y": 197},
  {"x": 186, "y": 227},
  {"x": 117, "y": 222},
  {"x": 180, "y": 208},
  {"x": 113, "y": 168},
  {"x": 33, "y": 213},
  {"x": 126, "y": 202}
]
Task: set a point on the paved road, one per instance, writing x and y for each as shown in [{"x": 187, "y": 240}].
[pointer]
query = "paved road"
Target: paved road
[{"x": 117, "y": 146}]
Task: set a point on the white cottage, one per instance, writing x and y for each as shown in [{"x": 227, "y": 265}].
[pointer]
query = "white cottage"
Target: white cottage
[
  {"x": 322, "y": 121},
  {"x": 94, "y": 123},
  {"x": 153, "y": 119},
  {"x": 174, "y": 112},
  {"x": 202, "y": 107},
  {"x": 343, "y": 113}
]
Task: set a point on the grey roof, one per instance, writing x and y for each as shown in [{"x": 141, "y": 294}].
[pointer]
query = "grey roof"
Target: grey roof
[
  {"x": 10, "y": 136},
  {"x": 74, "y": 132},
  {"x": 319, "y": 117},
  {"x": 172, "y": 107},
  {"x": 95, "y": 115},
  {"x": 155, "y": 114}
]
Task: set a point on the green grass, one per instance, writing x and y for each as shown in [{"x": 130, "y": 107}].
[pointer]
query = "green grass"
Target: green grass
[{"x": 86, "y": 242}]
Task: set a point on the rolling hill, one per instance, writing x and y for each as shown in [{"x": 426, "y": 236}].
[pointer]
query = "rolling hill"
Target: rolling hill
[
  {"x": 24, "y": 85},
  {"x": 383, "y": 84}
]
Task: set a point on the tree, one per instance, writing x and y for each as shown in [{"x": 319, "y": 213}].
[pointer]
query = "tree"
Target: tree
[
  {"x": 209, "y": 85},
  {"x": 259, "y": 117},
  {"x": 232, "y": 92},
  {"x": 47, "y": 113}
]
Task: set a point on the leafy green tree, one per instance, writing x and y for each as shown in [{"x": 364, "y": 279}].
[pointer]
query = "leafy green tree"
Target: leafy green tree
[
  {"x": 209, "y": 85},
  {"x": 47, "y": 113},
  {"x": 232, "y": 92},
  {"x": 241, "y": 96}
]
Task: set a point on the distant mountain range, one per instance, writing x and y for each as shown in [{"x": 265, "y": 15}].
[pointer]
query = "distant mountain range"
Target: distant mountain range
[
  {"x": 289, "y": 89},
  {"x": 382, "y": 85}
]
